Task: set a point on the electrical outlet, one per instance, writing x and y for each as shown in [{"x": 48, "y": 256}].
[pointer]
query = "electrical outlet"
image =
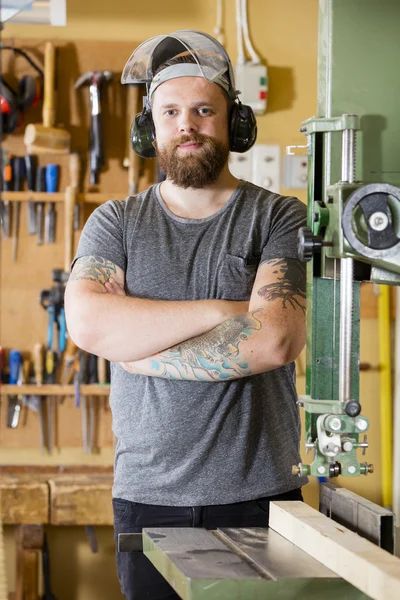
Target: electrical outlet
[
  {"x": 295, "y": 171},
  {"x": 240, "y": 165},
  {"x": 266, "y": 161}
]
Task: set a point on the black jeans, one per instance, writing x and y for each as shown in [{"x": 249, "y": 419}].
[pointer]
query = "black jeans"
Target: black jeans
[{"x": 138, "y": 578}]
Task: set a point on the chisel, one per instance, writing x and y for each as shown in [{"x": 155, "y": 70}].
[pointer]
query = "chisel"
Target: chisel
[
  {"x": 18, "y": 167},
  {"x": 31, "y": 164},
  {"x": 40, "y": 186},
  {"x": 52, "y": 175}
]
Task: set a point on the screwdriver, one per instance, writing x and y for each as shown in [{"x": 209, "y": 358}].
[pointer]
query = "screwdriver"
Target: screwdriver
[
  {"x": 52, "y": 176},
  {"x": 31, "y": 164},
  {"x": 40, "y": 186},
  {"x": 18, "y": 167},
  {"x": 14, "y": 406},
  {"x": 8, "y": 187},
  {"x": 2, "y": 365}
]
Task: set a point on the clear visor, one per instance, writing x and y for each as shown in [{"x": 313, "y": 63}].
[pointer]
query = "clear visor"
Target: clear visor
[{"x": 147, "y": 58}]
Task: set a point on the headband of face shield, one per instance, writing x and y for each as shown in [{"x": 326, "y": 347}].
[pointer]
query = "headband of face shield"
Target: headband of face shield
[{"x": 206, "y": 58}]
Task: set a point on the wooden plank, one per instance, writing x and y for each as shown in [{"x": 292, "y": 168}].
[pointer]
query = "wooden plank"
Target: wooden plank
[
  {"x": 358, "y": 514},
  {"x": 364, "y": 565},
  {"x": 42, "y": 472},
  {"x": 93, "y": 389},
  {"x": 81, "y": 500},
  {"x": 24, "y": 502}
]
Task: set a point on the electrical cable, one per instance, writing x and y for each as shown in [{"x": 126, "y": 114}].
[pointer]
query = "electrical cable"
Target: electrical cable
[
  {"x": 218, "y": 31},
  {"x": 255, "y": 59},
  {"x": 241, "y": 59}
]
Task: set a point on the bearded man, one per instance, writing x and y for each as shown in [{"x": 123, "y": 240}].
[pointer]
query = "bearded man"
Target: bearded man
[{"x": 194, "y": 292}]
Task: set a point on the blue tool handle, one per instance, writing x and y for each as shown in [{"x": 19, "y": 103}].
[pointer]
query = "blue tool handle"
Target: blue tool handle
[
  {"x": 52, "y": 176},
  {"x": 15, "y": 362},
  {"x": 63, "y": 331},
  {"x": 52, "y": 319}
]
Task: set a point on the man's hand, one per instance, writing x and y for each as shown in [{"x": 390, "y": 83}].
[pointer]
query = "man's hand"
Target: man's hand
[{"x": 113, "y": 287}]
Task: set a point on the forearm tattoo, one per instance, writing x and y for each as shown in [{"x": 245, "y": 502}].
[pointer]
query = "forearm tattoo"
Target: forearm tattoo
[
  {"x": 290, "y": 285},
  {"x": 93, "y": 268},
  {"x": 211, "y": 356}
]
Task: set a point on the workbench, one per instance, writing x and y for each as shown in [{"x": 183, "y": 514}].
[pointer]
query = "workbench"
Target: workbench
[{"x": 31, "y": 500}]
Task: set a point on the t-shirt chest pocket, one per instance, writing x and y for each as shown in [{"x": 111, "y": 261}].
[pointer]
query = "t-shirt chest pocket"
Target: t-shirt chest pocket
[{"x": 236, "y": 275}]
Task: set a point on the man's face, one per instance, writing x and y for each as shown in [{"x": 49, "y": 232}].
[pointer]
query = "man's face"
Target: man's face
[{"x": 191, "y": 120}]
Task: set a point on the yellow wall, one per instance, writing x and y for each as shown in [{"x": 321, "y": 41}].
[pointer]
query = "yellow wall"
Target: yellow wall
[{"x": 285, "y": 34}]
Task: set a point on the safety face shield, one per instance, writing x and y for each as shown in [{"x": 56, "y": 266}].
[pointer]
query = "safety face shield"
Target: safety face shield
[{"x": 208, "y": 55}]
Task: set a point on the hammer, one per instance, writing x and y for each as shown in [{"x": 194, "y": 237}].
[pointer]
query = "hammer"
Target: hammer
[
  {"x": 95, "y": 80},
  {"x": 47, "y": 138}
]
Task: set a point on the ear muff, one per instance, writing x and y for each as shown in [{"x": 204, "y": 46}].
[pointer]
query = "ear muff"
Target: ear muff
[
  {"x": 13, "y": 103},
  {"x": 28, "y": 92},
  {"x": 143, "y": 135},
  {"x": 242, "y": 131},
  {"x": 9, "y": 114},
  {"x": 242, "y": 128}
]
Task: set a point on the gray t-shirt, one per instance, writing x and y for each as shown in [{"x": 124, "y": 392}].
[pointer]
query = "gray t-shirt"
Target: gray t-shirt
[{"x": 189, "y": 443}]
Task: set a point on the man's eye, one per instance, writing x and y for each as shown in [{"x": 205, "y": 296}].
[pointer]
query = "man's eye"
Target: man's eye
[
  {"x": 204, "y": 111},
  {"x": 170, "y": 112}
]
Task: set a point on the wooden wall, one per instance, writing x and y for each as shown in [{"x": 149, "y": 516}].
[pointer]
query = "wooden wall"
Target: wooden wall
[{"x": 23, "y": 322}]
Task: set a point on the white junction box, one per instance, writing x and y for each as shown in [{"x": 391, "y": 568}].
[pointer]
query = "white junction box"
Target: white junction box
[
  {"x": 260, "y": 165},
  {"x": 295, "y": 171},
  {"x": 252, "y": 82}
]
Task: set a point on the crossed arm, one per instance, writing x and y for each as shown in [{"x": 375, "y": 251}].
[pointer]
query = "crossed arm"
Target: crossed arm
[{"x": 212, "y": 340}]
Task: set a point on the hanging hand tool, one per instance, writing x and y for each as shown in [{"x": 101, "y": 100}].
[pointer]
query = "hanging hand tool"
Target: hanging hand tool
[
  {"x": 38, "y": 370},
  {"x": 95, "y": 79},
  {"x": 74, "y": 178},
  {"x": 47, "y": 138},
  {"x": 103, "y": 368},
  {"x": 18, "y": 167},
  {"x": 92, "y": 377},
  {"x": 82, "y": 378},
  {"x": 52, "y": 176},
  {"x": 67, "y": 373},
  {"x": 132, "y": 161},
  {"x": 31, "y": 164},
  {"x": 40, "y": 186},
  {"x": 14, "y": 401},
  {"x": 53, "y": 301},
  {"x": 8, "y": 186},
  {"x": 50, "y": 370},
  {"x": 2, "y": 364}
]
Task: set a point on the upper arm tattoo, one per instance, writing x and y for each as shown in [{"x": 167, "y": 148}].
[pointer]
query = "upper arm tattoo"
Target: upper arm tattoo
[
  {"x": 93, "y": 268},
  {"x": 290, "y": 284}
]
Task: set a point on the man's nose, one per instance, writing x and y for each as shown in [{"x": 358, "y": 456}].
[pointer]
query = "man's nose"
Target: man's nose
[{"x": 187, "y": 123}]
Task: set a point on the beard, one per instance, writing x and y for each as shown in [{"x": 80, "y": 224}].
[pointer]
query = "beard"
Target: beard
[{"x": 196, "y": 169}]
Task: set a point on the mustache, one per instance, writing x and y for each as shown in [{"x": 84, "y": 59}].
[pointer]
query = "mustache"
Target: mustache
[{"x": 196, "y": 138}]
